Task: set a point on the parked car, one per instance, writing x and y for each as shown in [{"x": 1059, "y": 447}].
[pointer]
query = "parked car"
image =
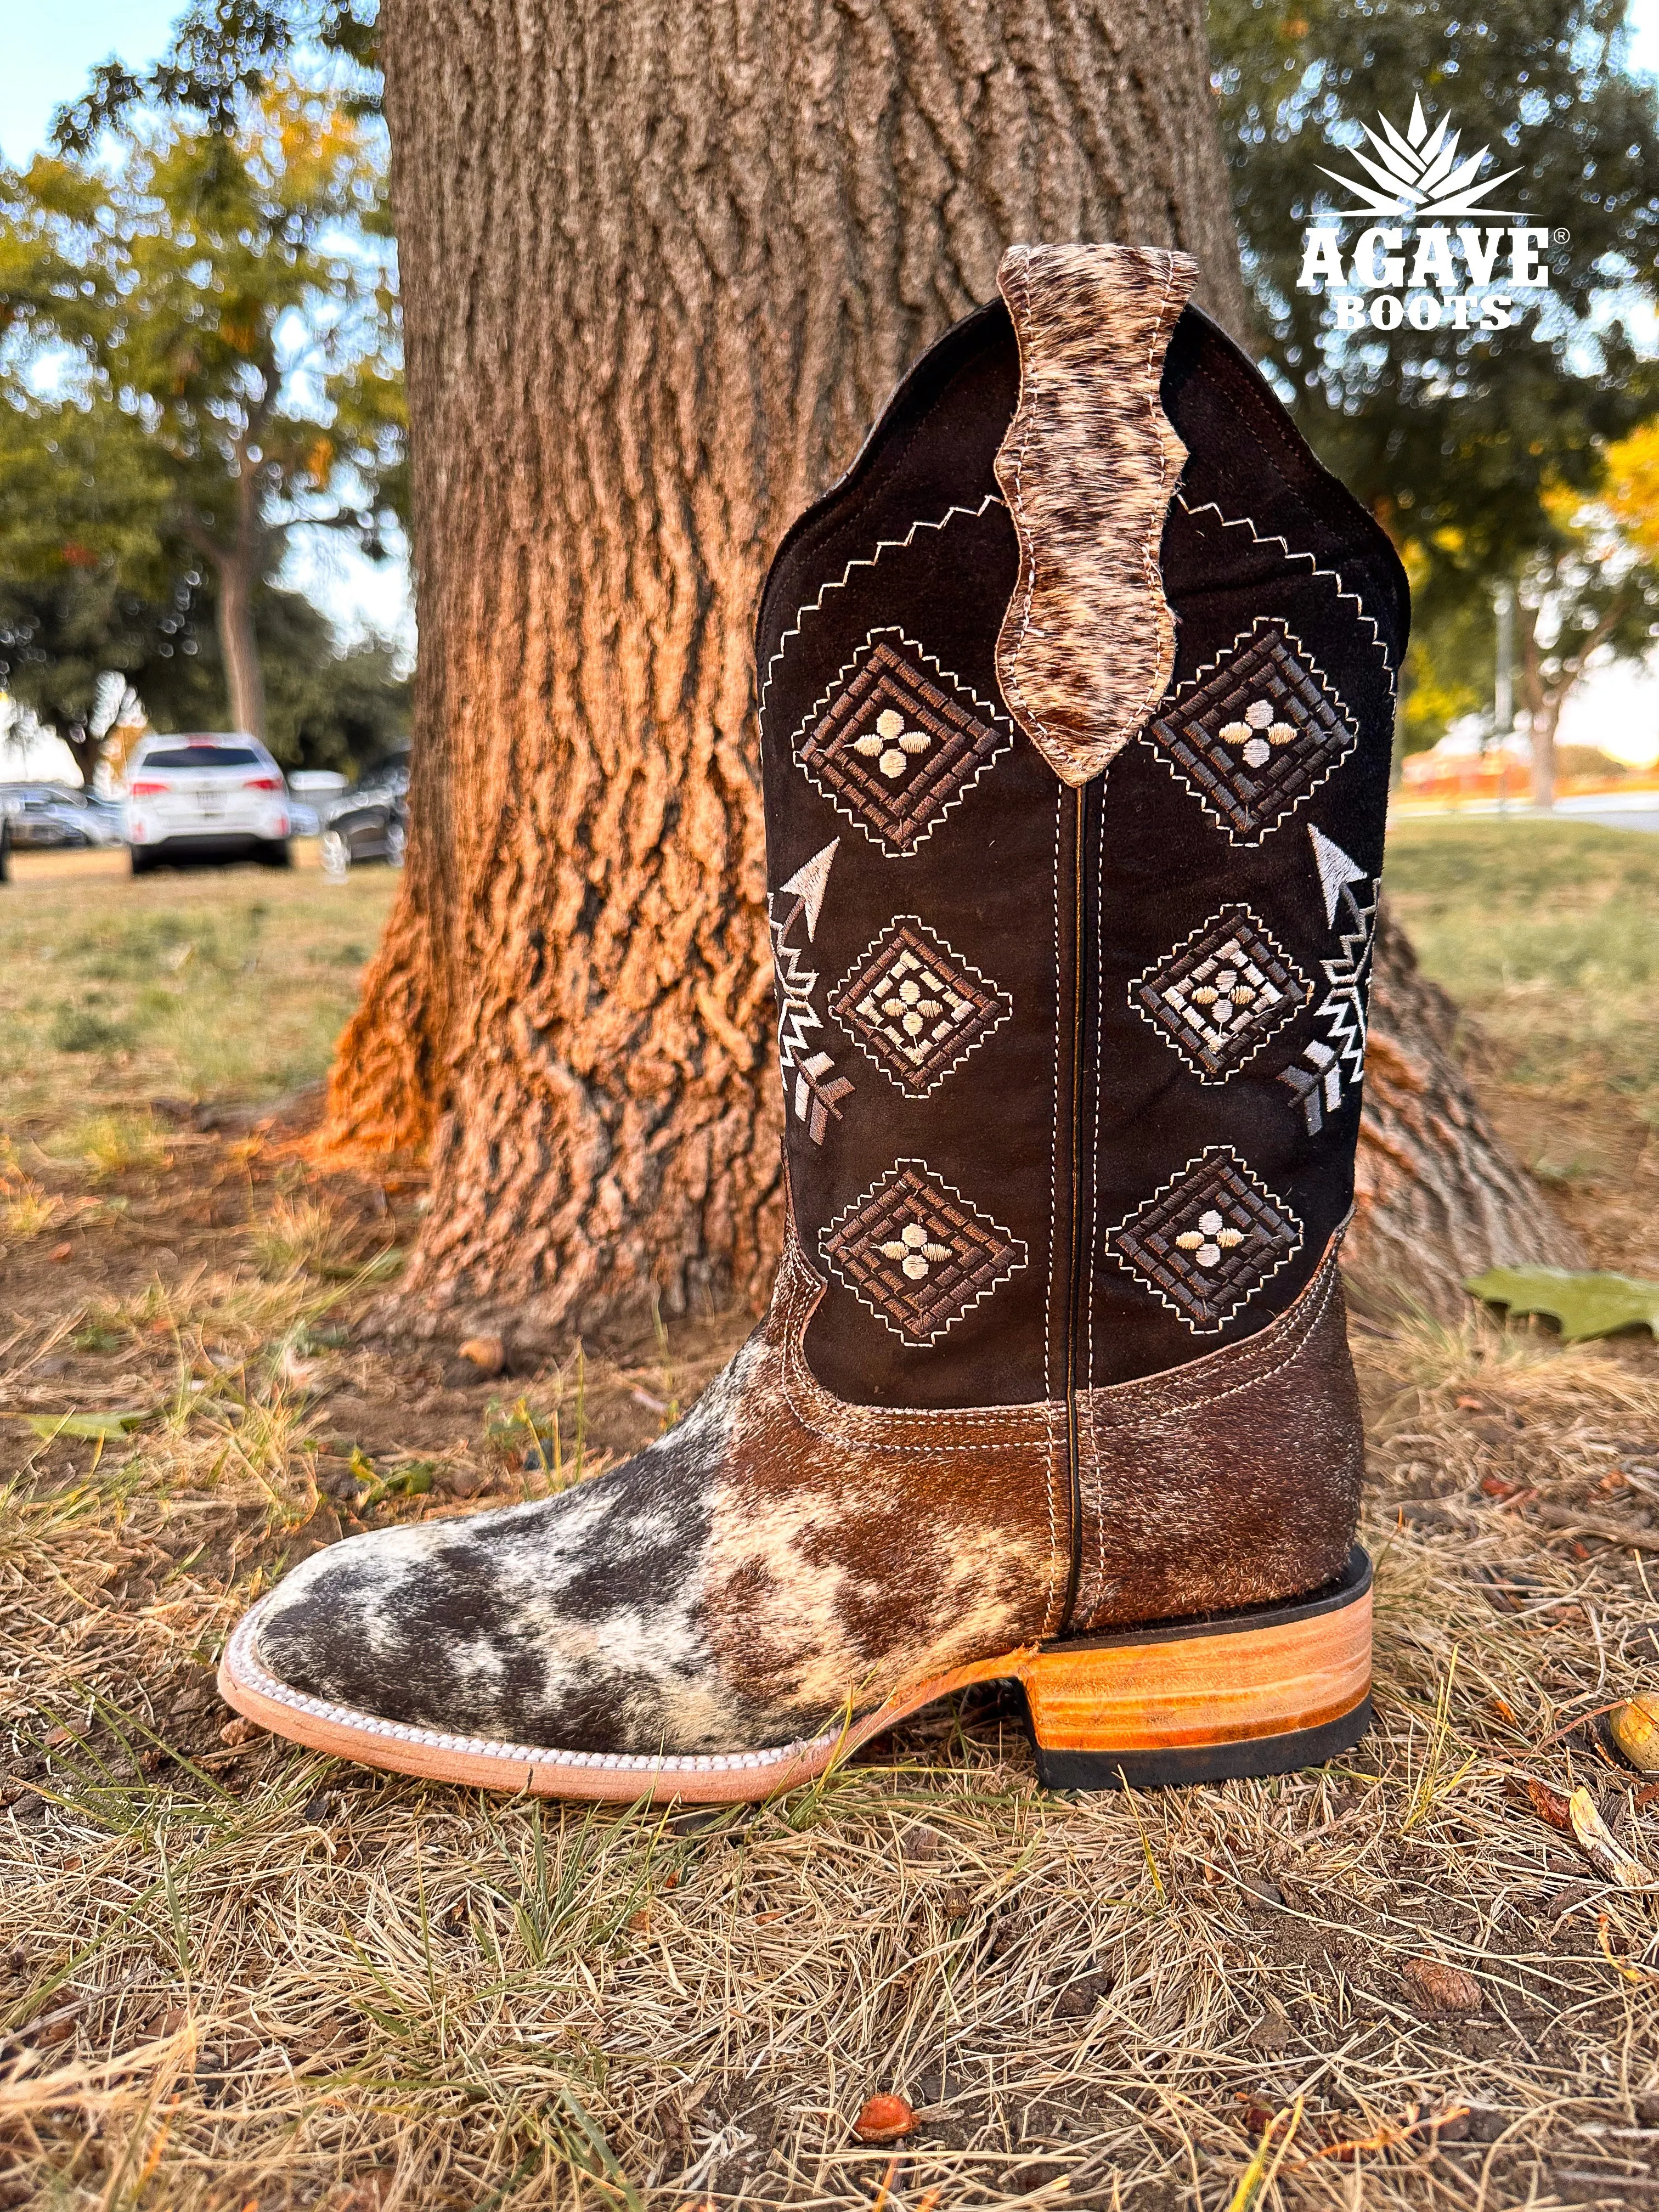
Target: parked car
[
  {"x": 368, "y": 823},
  {"x": 211, "y": 795},
  {"x": 56, "y": 817}
]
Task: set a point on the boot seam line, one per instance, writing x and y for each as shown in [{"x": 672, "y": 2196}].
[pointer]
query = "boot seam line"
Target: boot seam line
[{"x": 1303, "y": 1332}]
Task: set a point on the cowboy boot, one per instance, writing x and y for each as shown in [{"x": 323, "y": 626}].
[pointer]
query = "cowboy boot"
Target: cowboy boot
[{"x": 1076, "y": 696}]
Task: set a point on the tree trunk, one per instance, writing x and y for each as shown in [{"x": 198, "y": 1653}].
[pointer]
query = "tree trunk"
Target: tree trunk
[
  {"x": 1544, "y": 720},
  {"x": 245, "y": 682},
  {"x": 660, "y": 267},
  {"x": 1436, "y": 1198}
]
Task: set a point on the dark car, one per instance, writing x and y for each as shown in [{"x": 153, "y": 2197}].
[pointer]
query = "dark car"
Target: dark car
[
  {"x": 368, "y": 823},
  {"x": 55, "y": 817}
]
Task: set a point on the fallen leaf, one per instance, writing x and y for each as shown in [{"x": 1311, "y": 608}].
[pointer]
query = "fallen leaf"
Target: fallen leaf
[
  {"x": 1261, "y": 1888},
  {"x": 884, "y": 2119},
  {"x": 240, "y": 1731},
  {"x": 1635, "y": 1728},
  {"x": 1602, "y": 1847},
  {"x": 87, "y": 1424},
  {"x": 1549, "y": 1805},
  {"x": 1440, "y": 1988},
  {"x": 1583, "y": 1305},
  {"x": 63, "y": 1251}
]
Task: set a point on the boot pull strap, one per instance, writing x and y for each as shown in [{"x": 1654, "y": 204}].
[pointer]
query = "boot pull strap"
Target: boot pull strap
[{"x": 1089, "y": 466}]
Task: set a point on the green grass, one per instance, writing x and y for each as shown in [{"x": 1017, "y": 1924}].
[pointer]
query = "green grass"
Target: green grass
[
  {"x": 1548, "y": 933},
  {"x": 220, "y": 983}
]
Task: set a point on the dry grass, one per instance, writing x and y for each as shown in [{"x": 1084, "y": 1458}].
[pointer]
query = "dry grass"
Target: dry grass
[{"x": 232, "y": 1976}]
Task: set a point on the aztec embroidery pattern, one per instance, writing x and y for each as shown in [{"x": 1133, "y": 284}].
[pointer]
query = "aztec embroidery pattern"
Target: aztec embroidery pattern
[
  {"x": 915, "y": 1007},
  {"x": 1219, "y": 997},
  {"x": 818, "y": 1089},
  {"x": 1253, "y": 735},
  {"x": 895, "y": 748},
  {"x": 1208, "y": 1240},
  {"x": 917, "y": 1253},
  {"x": 1317, "y": 1081}
]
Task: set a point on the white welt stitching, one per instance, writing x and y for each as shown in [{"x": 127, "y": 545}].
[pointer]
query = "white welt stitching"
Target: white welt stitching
[{"x": 247, "y": 1667}]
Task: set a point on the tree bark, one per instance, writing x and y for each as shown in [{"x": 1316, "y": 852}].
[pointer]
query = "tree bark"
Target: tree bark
[
  {"x": 661, "y": 265},
  {"x": 245, "y": 682},
  {"x": 1436, "y": 1197}
]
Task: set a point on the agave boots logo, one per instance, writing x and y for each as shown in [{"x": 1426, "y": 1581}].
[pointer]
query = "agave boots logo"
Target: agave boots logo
[{"x": 1441, "y": 256}]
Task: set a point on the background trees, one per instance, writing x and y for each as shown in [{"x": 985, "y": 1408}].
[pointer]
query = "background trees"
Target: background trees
[
  {"x": 652, "y": 306},
  {"x": 1474, "y": 450},
  {"x": 199, "y": 357}
]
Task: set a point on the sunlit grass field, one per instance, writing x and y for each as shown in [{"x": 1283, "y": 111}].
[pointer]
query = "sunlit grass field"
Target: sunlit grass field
[
  {"x": 1548, "y": 932},
  {"x": 223, "y": 983}
]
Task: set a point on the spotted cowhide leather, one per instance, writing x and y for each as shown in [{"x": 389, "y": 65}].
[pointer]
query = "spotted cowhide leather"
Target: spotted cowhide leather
[{"x": 1057, "y": 1341}]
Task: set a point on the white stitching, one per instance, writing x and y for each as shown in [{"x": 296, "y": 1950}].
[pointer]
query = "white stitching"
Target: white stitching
[
  {"x": 914, "y": 1343},
  {"x": 1293, "y": 553},
  {"x": 1201, "y": 1401},
  {"x": 1255, "y": 1289},
  {"x": 248, "y": 1667},
  {"x": 974, "y": 1043},
  {"x": 1056, "y": 1587},
  {"x": 1192, "y": 682},
  {"x": 839, "y": 583},
  {"x": 794, "y": 1358},
  {"x": 997, "y": 718},
  {"x": 1150, "y": 974}
]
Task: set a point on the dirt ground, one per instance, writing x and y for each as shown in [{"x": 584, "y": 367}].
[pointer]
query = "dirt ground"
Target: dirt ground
[{"x": 239, "y": 1979}]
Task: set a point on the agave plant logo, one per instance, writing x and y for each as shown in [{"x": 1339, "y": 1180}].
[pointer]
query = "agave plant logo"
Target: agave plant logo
[
  {"x": 1434, "y": 253},
  {"x": 1417, "y": 174}
]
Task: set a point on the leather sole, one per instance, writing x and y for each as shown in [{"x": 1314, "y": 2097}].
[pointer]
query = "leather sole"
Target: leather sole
[{"x": 1262, "y": 1692}]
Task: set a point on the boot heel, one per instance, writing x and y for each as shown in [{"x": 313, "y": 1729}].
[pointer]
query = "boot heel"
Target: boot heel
[{"x": 1262, "y": 1692}]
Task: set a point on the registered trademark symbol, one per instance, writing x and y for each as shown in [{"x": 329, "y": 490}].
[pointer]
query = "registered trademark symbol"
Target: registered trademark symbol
[{"x": 1561, "y": 237}]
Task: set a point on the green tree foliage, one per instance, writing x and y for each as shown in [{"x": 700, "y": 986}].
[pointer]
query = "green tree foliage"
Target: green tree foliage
[
  {"x": 225, "y": 53},
  {"x": 63, "y": 637},
  {"x": 324, "y": 707},
  {"x": 1461, "y": 443},
  {"x": 198, "y": 356}
]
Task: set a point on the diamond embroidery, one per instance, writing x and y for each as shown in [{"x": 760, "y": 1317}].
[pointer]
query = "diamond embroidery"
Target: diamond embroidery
[
  {"x": 915, "y": 1007},
  {"x": 1218, "y": 998},
  {"x": 918, "y": 1254},
  {"x": 1207, "y": 1242},
  {"x": 895, "y": 750},
  {"x": 1256, "y": 733}
]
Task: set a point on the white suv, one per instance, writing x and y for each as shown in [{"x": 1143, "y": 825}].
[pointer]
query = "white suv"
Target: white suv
[{"x": 212, "y": 794}]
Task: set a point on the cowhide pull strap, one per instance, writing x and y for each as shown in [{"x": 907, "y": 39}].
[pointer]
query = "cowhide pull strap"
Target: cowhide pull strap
[{"x": 1089, "y": 467}]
